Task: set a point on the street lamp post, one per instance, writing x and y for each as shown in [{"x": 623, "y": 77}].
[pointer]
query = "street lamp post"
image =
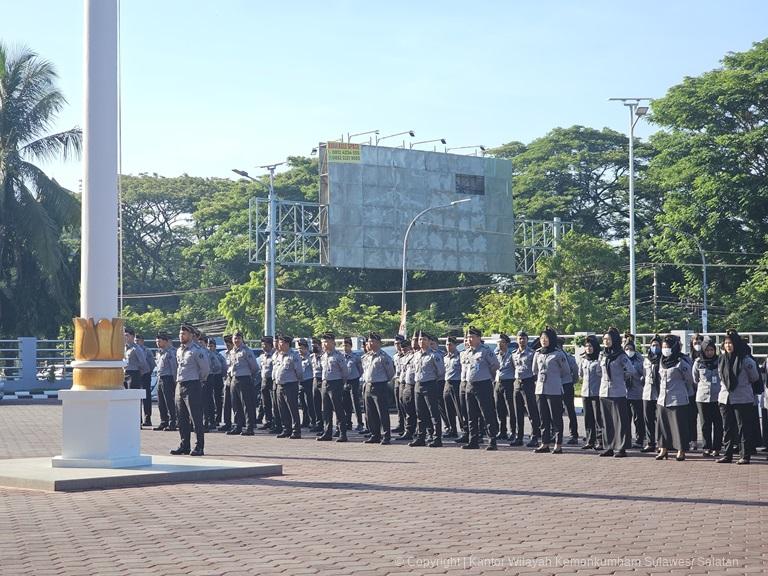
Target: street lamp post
[
  {"x": 475, "y": 147},
  {"x": 350, "y": 136},
  {"x": 403, "y": 310},
  {"x": 635, "y": 113},
  {"x": 441, "y": 140},
  {"x": 704, "y": 311},
  {"x": 410, "y": 133}
]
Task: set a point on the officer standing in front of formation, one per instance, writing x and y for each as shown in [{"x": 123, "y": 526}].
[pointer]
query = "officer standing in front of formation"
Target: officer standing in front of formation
[
  {"x": 135, "y": 366},
  {"x": 451, "y": 389},
  {"x": 335, "y": 374},
  {"x": 193, "y": 368},
  {"x": 287, "y": 372},
  {"x": 166, "y": 382},
  {"x": 504, "y": 388},
  {"x": 378, "y": 370},
  {"x": 266, "y": 409},
  {"x": 428, "y": 369},
  {"x": 242, "y": 366},
  {"x": 146, "y": 380},
  {"x": 480, "y": 366},
  {"x": 525, "y": 392}
]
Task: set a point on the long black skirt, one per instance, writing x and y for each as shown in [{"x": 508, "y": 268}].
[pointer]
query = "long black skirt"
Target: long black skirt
[
  {"x": 616, "y": 432},
  {"x": 672, "y": 424}
]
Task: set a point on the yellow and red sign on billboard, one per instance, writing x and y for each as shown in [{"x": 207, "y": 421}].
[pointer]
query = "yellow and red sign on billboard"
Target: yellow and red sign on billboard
[{"x": 343, "y": 152}]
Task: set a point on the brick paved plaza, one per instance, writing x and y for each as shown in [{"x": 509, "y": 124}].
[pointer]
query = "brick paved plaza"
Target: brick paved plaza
[{"x": 367, "y": 509}]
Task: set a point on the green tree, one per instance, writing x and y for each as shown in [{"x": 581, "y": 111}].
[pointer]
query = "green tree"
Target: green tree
[{"x": 38, "y": 270}]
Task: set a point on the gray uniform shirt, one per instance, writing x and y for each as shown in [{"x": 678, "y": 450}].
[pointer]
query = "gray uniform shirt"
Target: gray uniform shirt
[
  {"x": 550, "y": 371},
  {"x": 479, "y": 364},
  {"x": 706, "y": 380},
  {"x": 676, "y": 384},
  {"x": 428, "y": 366},
  {"x": 317, "y": 366},
  {"x": 136, "y": 359},
  {"x": 573, "y": 369},
  {"x": 334, "y": 366},
  {"x": 193, "y": 363},
  {"x": 590, "y": 374},
  {"x": 742, "y": 393},
  {"x": 216, "y": 362},
  {"x": 378, "y": 367},
  {"x": 242, "y": 362},
  {"x": 614, "y": 380},
  {"x": 408, "y": 375},
  {"x": 166, "y": 362},
  {"x": 150, "y": 358},
  {"x": 523, "y": 359},
  {"x": 452, "y": 367},
  {"x": 354, "y": 366},
  {"x": 634, "y": 381},
  {"x": 287, "y": 367},
  {"x": 649, "y": 393},
  {"x": 306, "y": 364},
  {"x": 506, "y": 365},
  {"x": 266, "y": 365}
]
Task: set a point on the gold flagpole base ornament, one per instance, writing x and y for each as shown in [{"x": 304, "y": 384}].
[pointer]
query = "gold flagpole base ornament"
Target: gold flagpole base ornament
[{"x": 99, "y": 349}]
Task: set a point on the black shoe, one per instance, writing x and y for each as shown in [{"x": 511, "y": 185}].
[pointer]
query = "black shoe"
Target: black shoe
[
  {"x": 360, "y": 429},
  {"x": 265, "y": 426},
  {"x": 598, "y": 447},
  {"x": 336, "y": 433},
  {"x": 725, "y": 460},
  {"x": 648, "y": 448},
  {"x": 161, "y": 426},
  {"x": 147, "y": 423},
  {"x": 516, "y": 443},
  {"x": 681, "y": 457},
  {"x": 295, "y": 436},
  {"x": 324, "y": 438},
  {"x": 171, "y": 428},
  {"x": 463, "y": 439},
  {"x": 492, "y": 445},
  {"x": 608, "y": 452},
  {"x": 588, "y": 447},
  {"x": 236, "y": 431},
  {"x": 405, "y": 437},
  {"x": 620, "y": 454},
  {"x": 224, "y": 428},
  {"x": 664, "y": 456},
  {"x": 471, "y": 446},
  {"x": 342, "y": 438},
  {"x": 541, "y": 449},
  {"x": 558, "y": 450},
  {"x": 502, "y": 435},
  {"x": 743, "y": 461},
  {"x": 386, "y": 441},
  {"x": 372, "y": 440},
  {"x": 247, "y": 432},
  {"x": 417, "y": 442},
  {"x": 180, "y": 450},
  {"x": 533, "y": 442},
  {"x": 451, "y": 434},
  {"x": 283, "y": 435},
  {"x": 197, "y": 452},
  {"x": 436, "y": 443},
  {"x": 573, "y": 441}
]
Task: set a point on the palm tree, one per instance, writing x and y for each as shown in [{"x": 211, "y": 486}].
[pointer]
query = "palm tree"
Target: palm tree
[{"x": 38, "y": 269}]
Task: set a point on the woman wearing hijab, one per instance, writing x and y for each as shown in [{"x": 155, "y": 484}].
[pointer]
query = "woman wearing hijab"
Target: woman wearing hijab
[
  {"x": 651, "y": 392},
  {"x": 697, "y": 343},
  {"x": 590, "y": 375},
  {"x": 550, "y": 369},
  {"x": 675, "y": 386},
  {"x": 615, "y": 367},
  {"x": 707, "y": 383},
  {"x": 737, "y": 372},
  {"x": 635, "y": 390}
]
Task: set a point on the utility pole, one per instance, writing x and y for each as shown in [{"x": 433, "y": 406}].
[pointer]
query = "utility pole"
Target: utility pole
[
  {"x": 655, "y": 296},
  {"x": 555, "y": 239}
]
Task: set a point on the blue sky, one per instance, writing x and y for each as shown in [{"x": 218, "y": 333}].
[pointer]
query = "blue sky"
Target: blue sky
[{"x": 208, "y": 86}]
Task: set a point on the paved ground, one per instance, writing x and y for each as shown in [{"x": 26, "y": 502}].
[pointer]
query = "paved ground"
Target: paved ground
[{"x": 366, "y": 510}]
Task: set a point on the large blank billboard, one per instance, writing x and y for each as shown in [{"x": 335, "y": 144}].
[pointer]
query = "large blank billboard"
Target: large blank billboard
[{"x": 373, "y": 196}]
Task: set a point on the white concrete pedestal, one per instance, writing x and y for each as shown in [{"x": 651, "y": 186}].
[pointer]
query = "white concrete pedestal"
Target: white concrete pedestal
[{"x": 101, "y": 429}]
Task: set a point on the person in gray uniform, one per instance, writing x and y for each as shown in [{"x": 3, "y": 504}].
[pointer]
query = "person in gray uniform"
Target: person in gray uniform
[
  {"x": 590, "y": 374},
  {"x": 399, "y": 355},
  {"x": 309, "y": 420},
  {"x": 738, "y": 372},
  {"x": 192, "y": 369},
  {"x": 135, "y": 366},
  {"x": 352, "y": 398},
  {"x": 267, "y": 409},
  {"x": 428, "y": 369},
  {"x": 480, "y": 366},
  {"x": 407, "y": 385},
  {"x": 613, "y": 395},
  {"x": 676, "y": 383},
  {"x": 226, "y": 411},
  {"x": 146, "y": 380},
  {"x": 550, "y": 369},
  {"x": 212, "y": 387},
  {"x": 378, "y": 370},
  {"x": 707, "y": 383},
  {"x": 452, "y": 362},
  {"x": 242, "y": 366},
  {"x": 569, "y": 403},
  {"x": 504, "y": 388},
  {"x": 634, "y": 384},
  {"x": 651, "y": 384},
  {"x": 525, "y": 393},
  {"x": 335, "y": 373},
  {"x": 317, "y": 385},
  {"x": 166, "y": 386},
  {"x": 287, "y": 372}
]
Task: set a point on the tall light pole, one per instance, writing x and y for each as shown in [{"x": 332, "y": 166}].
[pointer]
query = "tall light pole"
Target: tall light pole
[
  {"x": 410, "y": 133},
  {"x": 704, "y": 312},
  {"x": 441, "y": 140},
  {"x": 350, "y": 136},
  {"x": 635, "y": 113},
  {"x": 269, "y": 266},
  {"x": 403, "y": 309},
  {"x": 475, "y": 147}
]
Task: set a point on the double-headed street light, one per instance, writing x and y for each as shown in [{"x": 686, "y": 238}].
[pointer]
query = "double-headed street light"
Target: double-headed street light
[
  {"x": 635, "y": 113},
  {"x": 403, "y": 309}
]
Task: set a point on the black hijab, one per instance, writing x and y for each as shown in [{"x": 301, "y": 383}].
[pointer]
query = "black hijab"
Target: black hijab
[
  {"x": 592, "y": 339},
  {"x": 674, "y": 343},
  {"x": 729, "y": 365},
  {"x": 655, "y": 359},
  {"x": 552, "y": 336},
  {"x": 616, "y": 349},
  {"x": 710, "y": 363}
]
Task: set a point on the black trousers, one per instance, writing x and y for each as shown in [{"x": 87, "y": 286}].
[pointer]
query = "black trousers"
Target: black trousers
[
  {"x": 463, "y": 406},
  {"x": 277, "y": 423},
  {"x": 134, "y": 381},
  {"x": 408, "y": 398},
  {"x": 218, "y": 397},
  {"x": 288, "y": 402},
  {"x": 451, "y": 400},
  {"x": 525, "y": 402},
  {"x": 649, "y": 412},
  {"x": 209, "y": 403},
  {"x": 427, "y": 398},
  {"x": 400, "y": 407},
  {"x": 693, "y": 415},
  {"x": 306, "y": 395},
  {"x": 317, "y": 397},
  {"x": 551, "y": 412},
  {"x": 352, "y": 401},
  {"x": 504, "y": 397},
  {"x": 166, "y": 400},
  {"x": 189, "y": 407},
  {"x": 737, "y": 428},
  {"x": 569, "y": 404},
  {"x": 146, "y": 381},
  {"x": 764, "y": 420},
  {"x": 333, "y": 402},
  {"x": 637, "y": 411},
  {"x": 377, "y": 408},
  {"x": 711, "y": 425},
  {"x": 593, "y": 421},
  {"x": 227, "y": 409},
  {"x": 266, "y": 400},
  {"x": 480, "y": 405},
  {"x": 615, "y": 423},
  {"x": 243, "y": 402}
]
